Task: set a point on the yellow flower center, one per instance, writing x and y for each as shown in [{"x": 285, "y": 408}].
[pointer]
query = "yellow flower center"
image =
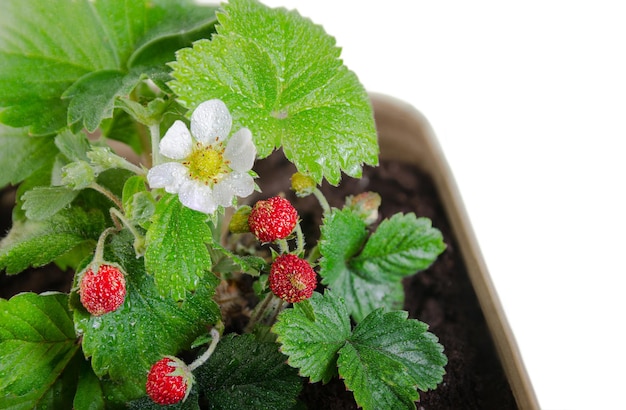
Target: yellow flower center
[{"x": 207, "y": 164}]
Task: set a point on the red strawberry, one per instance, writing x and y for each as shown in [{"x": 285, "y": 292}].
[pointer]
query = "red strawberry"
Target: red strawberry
[
  {"x": 272, "y": 219},
  {"x": 169, "y": 381},
  {"x": 102, "y": 291},
  {"x": 292, "y": 279}
]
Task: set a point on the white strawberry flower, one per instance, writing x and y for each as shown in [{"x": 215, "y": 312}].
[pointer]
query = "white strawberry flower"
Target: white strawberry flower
[{"x": 207, "y": 169}]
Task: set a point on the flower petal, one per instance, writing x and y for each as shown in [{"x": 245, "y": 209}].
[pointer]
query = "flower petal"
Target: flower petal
[
  {"x": 239, "y": 183},
  {"x": 241, "y": 151},
  {"x": 223, "y": 194},
  {"x": 211, "y": 122},
  {"x": 176, "y": 143},
  {"x": 169, "y": 176},
  {"x": 197, "y": 196}
]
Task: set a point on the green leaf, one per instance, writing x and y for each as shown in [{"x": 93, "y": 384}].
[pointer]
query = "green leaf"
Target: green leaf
[
  {"x": 41, "y": 203},
  {"x": 45, "y": 47},
  {"x": 244, "y": 373},
  {"x": 367, "y": 270},
  {"x": 312, "y": 345},
  {"x": 89, "y": 393},
  {"x": 146, "y": 403},
  {"x": 387, "y": 357},
  {"x": 383, "y": 360},
  {"x": 224, "y": 261},
  {"x": 37, "y": 345},
  {"x": 177, "y": 254},
  {"x": 21, "y": 155},
  {"x": 139, "y": 204},
  {"x": 92, "y": 97},
  {"x": 125, "y": 343},
  {"x": 342, "y": 237},
  {"x": 37, "y": 243},
  {"x": 124, "y": 128},
  {"x": 281, "y": 76},
  {"x": 401, "y": 246}
]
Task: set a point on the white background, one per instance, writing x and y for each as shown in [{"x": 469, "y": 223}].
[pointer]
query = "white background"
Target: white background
[{"x": 528, "y": 100}]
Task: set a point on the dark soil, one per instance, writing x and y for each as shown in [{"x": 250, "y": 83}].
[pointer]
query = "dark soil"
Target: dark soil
[{"x": 441, "y": 296}]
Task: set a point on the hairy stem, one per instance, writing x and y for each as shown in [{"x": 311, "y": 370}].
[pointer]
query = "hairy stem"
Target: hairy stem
[
  {"x": 155, "y": 138},
  {"x": 322, "y": 200},
  {"x": 215, "y": 338},
  {"x": 108, "y": 194}
]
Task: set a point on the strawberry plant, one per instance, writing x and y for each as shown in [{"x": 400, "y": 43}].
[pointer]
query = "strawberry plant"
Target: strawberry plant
[{"x": 130, "y": 131}]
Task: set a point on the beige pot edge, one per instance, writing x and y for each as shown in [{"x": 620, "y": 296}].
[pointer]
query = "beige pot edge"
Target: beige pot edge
[{"x": 405, "y": 134}]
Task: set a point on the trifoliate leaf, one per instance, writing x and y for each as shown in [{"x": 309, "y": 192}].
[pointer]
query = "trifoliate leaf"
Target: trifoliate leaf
[
  {"x": 45, "y": 47},
  {"x": 146, "y": 327},
  {"x": 387, "y": 358},
  {"x": 366, "y": 270},
  {"x": 177, "y": 254},
  {"x": 401, "y": 245},
  {"x": 38, "y": 348},
  {"x": 244, "y": 373},
  {"x": 21, "y": 155},
  {"x": 41, "y": 203},
  {"x": 37, "y": 243},
  {"x": 281, "y": 77},
  {"x": 312, "y": 345},
  {"x": 342, "y": 237}
]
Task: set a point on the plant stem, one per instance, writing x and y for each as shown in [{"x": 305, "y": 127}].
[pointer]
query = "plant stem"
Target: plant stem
[
  {"x": 140, "y": 240},
  {"x": 155, "y": 138},
  {"x": 322, "y": 200},
  {"x": 107, "y": 193},
  {"x": 258, "y": 311},
  {"x": 283, "y": 245},
  {"x": 132, "y": 167},
  {"x": 314, "y": 254},
  {"x": 299, "y": 239},
  {"x": 215, "y": 338},
  {"x": 98, "y": 257},
  {"x": 266, "y": 311}
]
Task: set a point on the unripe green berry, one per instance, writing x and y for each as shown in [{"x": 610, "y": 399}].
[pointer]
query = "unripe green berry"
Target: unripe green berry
[{"x": 303, "y": 185}]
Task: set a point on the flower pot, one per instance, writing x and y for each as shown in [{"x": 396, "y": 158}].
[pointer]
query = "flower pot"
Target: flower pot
[{"x": 406, "y": 136}]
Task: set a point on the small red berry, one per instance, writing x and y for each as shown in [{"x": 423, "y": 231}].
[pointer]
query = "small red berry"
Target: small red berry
[
  {"x": 292, "y": 279},
  {"x": 102, "y": 291},
  {"x": 272, "y": 219},
  {"x": 169, "y": 381}
]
